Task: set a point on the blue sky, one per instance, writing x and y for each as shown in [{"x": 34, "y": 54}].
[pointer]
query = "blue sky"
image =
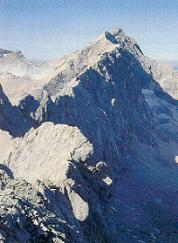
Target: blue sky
[{"x": 47, "y": 29}]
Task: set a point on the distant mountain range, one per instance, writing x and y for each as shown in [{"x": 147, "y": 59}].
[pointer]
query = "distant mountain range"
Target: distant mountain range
[{"x": 174, "y": 64}]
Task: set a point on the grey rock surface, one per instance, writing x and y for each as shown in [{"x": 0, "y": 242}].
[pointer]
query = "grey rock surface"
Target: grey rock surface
[{"x": 35, "y": 213}]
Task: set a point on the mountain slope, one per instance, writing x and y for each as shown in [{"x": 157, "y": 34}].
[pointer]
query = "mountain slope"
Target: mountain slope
[
  {"x": 11, "y": 118},
  {"x": 124, "y": 177}
]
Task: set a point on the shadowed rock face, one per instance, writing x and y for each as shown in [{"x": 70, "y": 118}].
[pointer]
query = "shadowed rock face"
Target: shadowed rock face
[
  {"x": 109, "y": 174},
  {"x": 11, "y": 118}
]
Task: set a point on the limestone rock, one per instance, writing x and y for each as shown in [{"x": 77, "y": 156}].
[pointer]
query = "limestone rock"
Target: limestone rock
[{"x": 45, "y": 153}]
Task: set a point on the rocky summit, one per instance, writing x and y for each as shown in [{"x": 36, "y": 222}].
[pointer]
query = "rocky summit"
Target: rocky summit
[{"x": 89, "y": 146}]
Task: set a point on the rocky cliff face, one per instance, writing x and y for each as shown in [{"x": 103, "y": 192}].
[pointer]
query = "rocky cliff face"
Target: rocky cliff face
[
  {"x": 11, "y": 118},
  {"x": 100, "y": 162}
]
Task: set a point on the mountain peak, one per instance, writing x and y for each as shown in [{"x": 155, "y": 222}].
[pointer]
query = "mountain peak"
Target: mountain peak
[
  {"x": 118, "y": 36},
  {"x": 5, "y": 52},
  {"x": 117, "y": 32},
  {"x": 102, "y": 127}
]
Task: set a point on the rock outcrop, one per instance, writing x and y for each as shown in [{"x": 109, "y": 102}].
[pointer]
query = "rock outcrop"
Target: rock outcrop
[
  {"x": 36, "y": 213},
  {"x": 59, "y": 145}
]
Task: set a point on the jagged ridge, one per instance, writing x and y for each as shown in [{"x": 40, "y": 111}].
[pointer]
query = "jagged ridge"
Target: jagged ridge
[{"x": 109, "y": 92}]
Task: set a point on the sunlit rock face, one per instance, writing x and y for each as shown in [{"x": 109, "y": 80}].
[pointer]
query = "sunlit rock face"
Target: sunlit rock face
[{"x": 91, "y": 143}]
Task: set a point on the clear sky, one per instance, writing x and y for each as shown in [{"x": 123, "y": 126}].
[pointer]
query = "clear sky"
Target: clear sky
[{"x": 47, "y": 29}]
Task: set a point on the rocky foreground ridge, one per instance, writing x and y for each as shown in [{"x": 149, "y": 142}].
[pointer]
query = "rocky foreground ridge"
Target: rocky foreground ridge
[{"x": 89, "y": 146}]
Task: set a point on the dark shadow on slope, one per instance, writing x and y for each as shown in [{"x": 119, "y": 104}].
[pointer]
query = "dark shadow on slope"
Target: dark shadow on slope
[
  {"x": 59, "y": 204},
  {"x": 93, "y": 190},
  {"x": 11, "y": 118},
  {"x": 6, "y": 169}
]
